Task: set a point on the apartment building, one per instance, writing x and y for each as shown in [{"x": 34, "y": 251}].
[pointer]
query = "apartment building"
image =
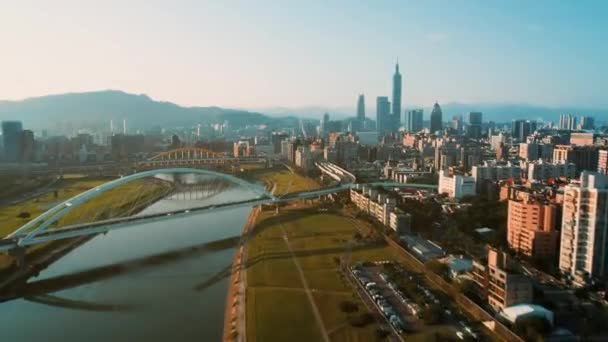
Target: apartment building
[
  {"x": 532, "y": 227},
  {"x": 584, "y": 247},
  {"x": 499, "y": 284},
  {"x": 456, "y": 186}
]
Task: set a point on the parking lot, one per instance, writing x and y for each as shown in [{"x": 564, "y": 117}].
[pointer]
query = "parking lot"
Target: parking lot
[{"x": 405, "y": 309}]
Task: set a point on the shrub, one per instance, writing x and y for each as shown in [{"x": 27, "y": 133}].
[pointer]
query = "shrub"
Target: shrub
[
  {"x": 348, "y": 307},
  {"x": 24, "y": 215}
]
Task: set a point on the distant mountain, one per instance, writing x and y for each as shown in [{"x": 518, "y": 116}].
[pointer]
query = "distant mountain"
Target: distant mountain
[{"x": 99, "y": 107}]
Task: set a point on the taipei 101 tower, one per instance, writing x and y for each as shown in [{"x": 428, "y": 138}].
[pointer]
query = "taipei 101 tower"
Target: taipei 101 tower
[{"x": 396, "y": 110}]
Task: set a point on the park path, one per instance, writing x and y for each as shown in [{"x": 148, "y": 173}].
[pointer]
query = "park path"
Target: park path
[{"x": 315, "y": 309}]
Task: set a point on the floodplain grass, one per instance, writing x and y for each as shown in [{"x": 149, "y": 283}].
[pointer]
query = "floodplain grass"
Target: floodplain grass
[
  {"x": 319, "y": 241},
  {"x": 286, "y": 181},
  {"x": 67, "y": 188}
]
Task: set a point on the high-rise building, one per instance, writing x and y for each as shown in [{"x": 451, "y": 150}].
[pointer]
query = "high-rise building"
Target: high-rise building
[
  {"x": 324, "y": 125},
  {"x": 520, "y": 129},
  {"x": 584, "y": 157},
  {"x": 361, "y": 109},
  {"x": 532, "y": 228},
  {"x": 383, "y": 116},
  {"x": 26, "y": 146},
  {"x": 436, "y": 118},
  {"x": 493, "y": 172},
  {"x": 584, "y": 251},
  {"x": 497, "y": 281},
  {"x": 457, "y": 123},
  {"x": 567, "y": 122},
  {"x": 529, "y": 151},
  {"x": 413, "y": 120},
  {"x": 456, "y": 186},
  {"x": 396, "y": 112},
  {"x": 11, "y": 137},
  {"x": 582, "y": 139},
  {"x": 541, "y": 171},
  {"x": 602, "y": 162},
  {"x": 496, "y": 140},
  {"x": 587, "y": 122},
  {"x": 474, "y": 129}
]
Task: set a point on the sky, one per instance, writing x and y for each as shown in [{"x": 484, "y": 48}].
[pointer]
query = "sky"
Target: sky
[{"x": 258, "y": 53}]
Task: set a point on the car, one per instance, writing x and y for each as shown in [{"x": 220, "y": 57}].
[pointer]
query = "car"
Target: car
[{"x": 370, "y": 285}]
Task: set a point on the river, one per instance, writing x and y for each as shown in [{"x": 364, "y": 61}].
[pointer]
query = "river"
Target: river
[{"x": 180, "y": 299}]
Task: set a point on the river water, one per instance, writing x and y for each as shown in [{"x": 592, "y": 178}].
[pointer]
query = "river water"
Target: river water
[{"x": 182, "y": 299}]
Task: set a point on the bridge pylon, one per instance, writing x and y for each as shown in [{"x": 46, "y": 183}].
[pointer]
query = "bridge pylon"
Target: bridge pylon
[{"x": 19, "y": 255}]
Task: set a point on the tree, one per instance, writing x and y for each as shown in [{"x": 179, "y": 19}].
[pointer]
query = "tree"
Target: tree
[
  {"x": 361, "y": 320},
  {"x": 348, "y": 307},
  {"x": 532, "y": 328},
  {"x": 466, "y": 287},
  {"x": 432, "y": 314},
  {"x": 24, "y": 215},
  {"x": 381, "y": 334},
  {"x": 437, "y": 267}
]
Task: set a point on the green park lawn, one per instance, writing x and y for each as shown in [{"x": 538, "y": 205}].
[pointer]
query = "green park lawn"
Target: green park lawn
[{"x": 277, "y": 305}]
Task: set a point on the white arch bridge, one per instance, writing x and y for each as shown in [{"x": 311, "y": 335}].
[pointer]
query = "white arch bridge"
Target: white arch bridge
[{"x": 38, "y": 230}]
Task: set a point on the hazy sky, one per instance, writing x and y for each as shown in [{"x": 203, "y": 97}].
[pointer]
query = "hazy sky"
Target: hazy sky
[{"x": 295, "y": 53}]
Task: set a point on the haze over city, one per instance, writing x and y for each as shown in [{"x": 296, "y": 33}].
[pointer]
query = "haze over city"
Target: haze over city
[
  {"x": 302, "y": 171},
  {"x": 257, "y": 55}
]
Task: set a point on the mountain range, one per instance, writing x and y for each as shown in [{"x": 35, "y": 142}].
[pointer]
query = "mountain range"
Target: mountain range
[{"x": 93, "y": 109}]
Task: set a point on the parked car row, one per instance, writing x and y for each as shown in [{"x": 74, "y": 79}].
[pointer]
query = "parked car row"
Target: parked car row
[{"x": 381, "y": 302}]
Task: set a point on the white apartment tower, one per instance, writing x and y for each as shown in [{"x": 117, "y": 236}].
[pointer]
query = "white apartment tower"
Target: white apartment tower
[{"x": 584, "y": 236}]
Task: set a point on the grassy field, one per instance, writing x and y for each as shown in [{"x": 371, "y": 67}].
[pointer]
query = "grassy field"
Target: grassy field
[
  {"x": 285, "y": 180},
  {"x": 11, "y": 186},
  {"x": 9, "y": 219},
  {"x": 276, "y": 296}
]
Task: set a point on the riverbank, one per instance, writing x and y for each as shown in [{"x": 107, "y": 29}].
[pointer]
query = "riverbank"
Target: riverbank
[{"x": 235, "y": 319}]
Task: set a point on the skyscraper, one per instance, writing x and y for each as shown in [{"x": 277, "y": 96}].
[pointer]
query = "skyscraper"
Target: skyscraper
[
  {"x": 584, "y": 251},
  {"x": 520, "y": 129},
  {"x": 11, "y": 137},
  {"x": 587, "y": 122},
  {"x": 457, "y": 123},
  {"x": 436, "y": 118},
  {"x": 361, "y": 109},
  {"x": 474, "y": 130},
  {"x": 413, "y": 120},
  {"x": 567, "y": 122},
  {"x": 324, "y": 125},
  {"x": 383, "y": 116},
  {"x": 396, "y": 112}
]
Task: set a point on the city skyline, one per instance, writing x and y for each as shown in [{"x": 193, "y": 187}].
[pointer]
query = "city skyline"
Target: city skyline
[{"x": 109, "y": 51}]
